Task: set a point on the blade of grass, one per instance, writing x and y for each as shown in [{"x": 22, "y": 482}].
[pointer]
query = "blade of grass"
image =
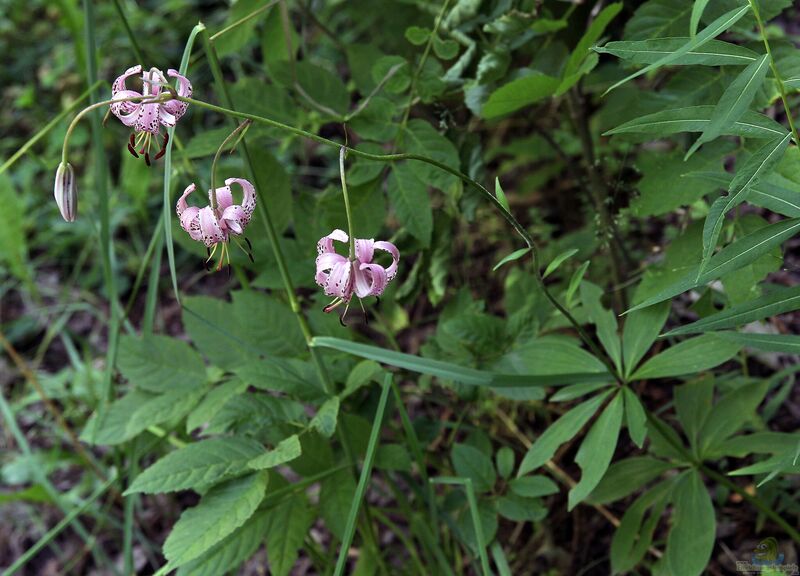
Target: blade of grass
[
  {"x": 129, "y": 32},
  {"x": 473, "y": 510},
  {"x": 58, "y": 528},
  {"x": 366, "y": 470}
]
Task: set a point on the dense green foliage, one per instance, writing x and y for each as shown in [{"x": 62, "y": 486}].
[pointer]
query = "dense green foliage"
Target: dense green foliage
[{"x": 584, "y": 365}]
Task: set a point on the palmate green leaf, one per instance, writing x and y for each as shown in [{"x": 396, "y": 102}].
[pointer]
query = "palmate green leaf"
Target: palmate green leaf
[
  {"x": 690, "y": 356},
  {"x": 713, "y": 53},
  {"x": 693, "y": 402},
  {"x": 763, "y": 160},
  {"x": 220, "y": 512},
  {"x": 596, "y": 451},
  {"x": 713, "y": 30},
  {"x": 730, "y": 414},
  {"x": 287, "y": 526},
  {"x": 734, "y": 102},
  {"x": 642, "y": 327},
  {"x": 409, "y": 196},
  {"x": 159, "y": 363},
  {"x": 469, "y": 462},
  {"x": 450, "y": 371},
  {"x": 559, "y": 432},
  {"x": 518, "y": 94},
  {"x": 635, "y": 533},
  {"x": 626, "y": 476},
  {"x": 691, "y": 538},
  {"x": 788, "y": 343},
  {"x": 232, "y": 551},
  {"x": 198, "y": 464},
  {"x": 740, "y": 253},
  {"x": 287, "y": 450},
  {"x": 635, "y": 417},
  {"x": 696, "y": 119},
  {"x": 779, "y": 301},
  {"x": 763, "y": 193}
]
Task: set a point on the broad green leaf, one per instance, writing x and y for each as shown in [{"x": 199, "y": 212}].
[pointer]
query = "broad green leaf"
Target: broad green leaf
[
  {"x": 361, "y": 375},
  {"x": 626, "y": 476},
  {"x": 469, "y": 462},
  {"x": 515, "y": 255},
  {"x": 504, "y": 461},
  {"x": 393, "y": 457},
  {"x": 417, "y": 35},
  {"x": 740, "y": 253},
  {"x": 691, "y": 537},
  {"x": 518, "y": 94},
  {"x": 159, "y": 363},
  {"x": 533, "y": 486},
  {"x": 245, "y": 31},
  {"x": 266, "y": 323},
  {"x": 450, "y": 371},
  {"x": 254, "y": 413},
  {"x": 423, "y": 139},
  {"x": 558, "y": 260},
  {"x": 696, "y": 119},
  {"x": 658, "y": 19},
  {"x": 212, "y": 403},
  {"x": 787, "y": 343},
  {"x": 409, "y": 196},
  {"x": 604, "y": 320},
  {"x": 203, "y": 316},
  {"x": 336, "y": 493},
  {"x": 635, "y": 533},
  {"x": 320, "y": 89},
  {"x": 197, "y": 464},
  {"x": 763, "y": 160},
  {"x": 445, "y": 49},
  {"x": 559, "y": 432},
  {"x": 519, "y": 509},
  {"x": 690, "y": 356},
  {"x": 713, "y": 30},
  {"x": 287, "y": 450},
  {"x": 635, "y": 417},
  {"x": 590, "y": 37},
  {"x": 288, "y": 524},
  {"x": 596, "y": 451},
  {"x": 162, "y": 408},
  {"x": 693, "y": 402},
  {"x": 232, "y": 551},
  {"x": 324, "y": 420},
  {"x": 778, "y": 301},
  {"x": 287, "y": 375},
  {"x": 713, "y": 53},
  {"x": 642, "y": 327},
  {"x": 763, "y": 193},
  {"x": 112, "y": 428},
  {"x": 730, "y": 414},
  {"x": 276, "y": 186},
  {"x": 698, "y": 8},
  {"x": 734, "y": 101},
  {"x": 220, "y": 512}
]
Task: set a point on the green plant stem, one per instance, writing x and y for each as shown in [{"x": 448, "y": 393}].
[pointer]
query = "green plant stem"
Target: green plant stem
[
  {"x": 717, "y": 477},
  {"x": 129, "y": 32},
  {"x": 363, "y": 480},
  {"x": 241, "y": 21},
  {"x": 128, "y": 510},
  {"x": 480, "y": 187},
  {"x": 350, "y": 231},
  {"x": 775, "y": 72},
  {"x": 238, "y": 130}
]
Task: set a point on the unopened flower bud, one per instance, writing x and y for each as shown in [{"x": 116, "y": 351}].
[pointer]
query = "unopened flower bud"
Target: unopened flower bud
[{"x": 66, "y": 192}]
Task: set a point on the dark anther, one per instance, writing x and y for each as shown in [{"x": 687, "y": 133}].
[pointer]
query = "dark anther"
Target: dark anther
[
  {"x": 147, "y": 158},
  {"x": 341, "y": 321},
  {"x": 163, "y": 146},
  {"x": 229, "y": 271},
  {"x": 248, "y": 243},
  {"x": 132, "y": 150},
  {"x": 132, "y": 140},
  {"x": 250, "y": 255},
  {"x": 206, "y": 266}
]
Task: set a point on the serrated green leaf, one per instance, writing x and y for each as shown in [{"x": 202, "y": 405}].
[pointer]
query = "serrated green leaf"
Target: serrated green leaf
[
  {"x": 160, "y": 364},
  {"x": 518, "y": 94},
  {"x": 691, "y": 538},
  {"x": 559, "y": 432},
  {"x": 779, "y": 301},
  {"x": 162, "y": 408},
  {"x": 713, "y": 53},
  {"x": 469, "y": 462},
  {"x": 596, "y": 451},
  {"x": 288, "y": 524},
  {"x": 198, "y": 464},
  {"x": 324, "y": 420},
  {"x": 287, "y": 450},
  {"x": 713, "y": 30},
  {"x": 336, "y": 493},
  {"x": 409, "y": 196},
  {"x": 659, "y": 19},
  {"x": 696, "y": 119},
  {"x": 112, "y": 428},
  {"x": 212, "y": 403},
  {"x": 220, "y": 512},
  {"x": 690, "y": 356}
]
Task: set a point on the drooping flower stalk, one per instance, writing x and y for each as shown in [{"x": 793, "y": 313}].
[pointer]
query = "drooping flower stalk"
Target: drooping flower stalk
[{"x": 238, "y": 133}]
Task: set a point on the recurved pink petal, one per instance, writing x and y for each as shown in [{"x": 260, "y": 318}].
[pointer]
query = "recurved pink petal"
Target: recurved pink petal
[
  {"x": 126, "y": 111},
  {"x": 224, "y": 197},
  {"x": 391, "y": 271},
  {"x": 175, "y": 107},
  {"x": 340, "y": 281},
  {"x": 189, "y": 216},
  {"x": 119, "y": 83},
  {"x": 210, "y": 230},
  {"x": 248, "y": 196},
  {"x": 234, "y": 218},
  {"x": 364, "y": 250},
  {"x": 182, "y": 204},
  {"x": 325, "y": 243},
  {"x": 370, "y": 280},
  {"x": 325, "y": 263}
]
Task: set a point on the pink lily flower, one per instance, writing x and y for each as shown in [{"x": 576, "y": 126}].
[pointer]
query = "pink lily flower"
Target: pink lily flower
[
  {"x": 341, "y": 277},
  {"x": 215, "y": 225},
  {"x": 147, "y": 118}
]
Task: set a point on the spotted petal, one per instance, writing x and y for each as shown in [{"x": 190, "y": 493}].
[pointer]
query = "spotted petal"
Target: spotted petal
[
  {"x": 248, "y": 196},
  {"x": 340, "y": 280},
  {"x": 176, "y": 108},
  {"x": 370, "y": 280},
  {"x": 325, "y": 243},
  {"x": 391, "y": 271},
  {"x": 189, "y": 215},
  {"x": 209, "y": 227},
  {"x": 325, "y": 263}
]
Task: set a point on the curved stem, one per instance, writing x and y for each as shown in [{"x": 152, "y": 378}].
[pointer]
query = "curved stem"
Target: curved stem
[
  {"x": 584, "y": 336},
  {"x": 350, "y": 231},
  {"x": 238, "y": 130}
]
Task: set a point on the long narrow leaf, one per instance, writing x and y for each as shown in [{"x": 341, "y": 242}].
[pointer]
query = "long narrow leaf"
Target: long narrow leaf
[
  {"x": 697, "y": 12},
  {"x": 713, "y": 53},
  {"x": 788, "y": 343},
  {"x": 764, "y": 194},
  {"x": 713, "y": 30}
]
